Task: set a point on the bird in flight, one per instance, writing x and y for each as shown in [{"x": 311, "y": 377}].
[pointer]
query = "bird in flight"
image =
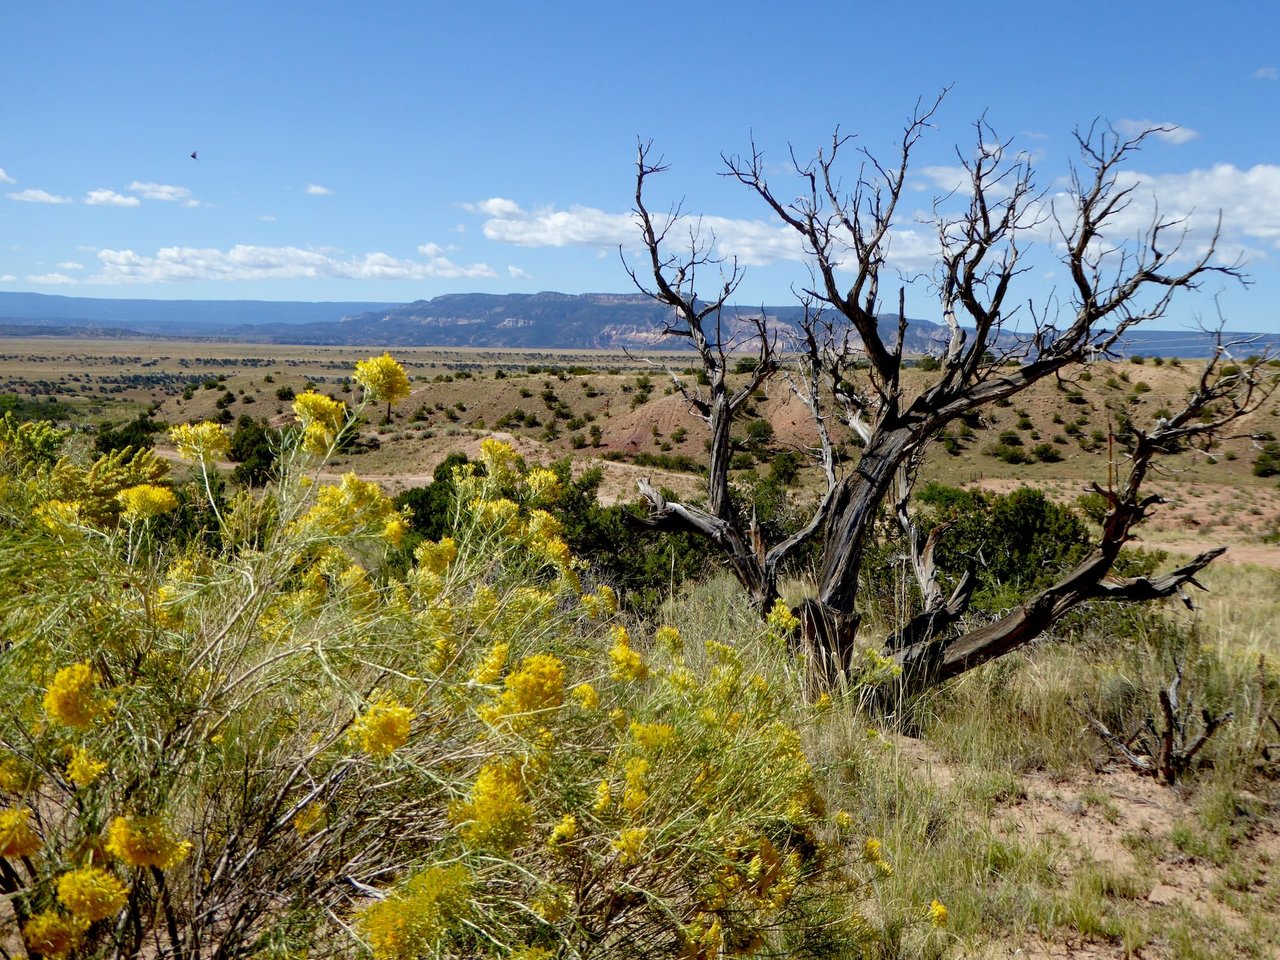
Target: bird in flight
[{"x": 193, "y": 155}]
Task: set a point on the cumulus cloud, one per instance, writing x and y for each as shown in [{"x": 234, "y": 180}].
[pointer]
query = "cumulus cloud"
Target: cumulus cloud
[
  {"x": 248, "y": 262},
  {"x": 315, "y": 190},
  {"x": 5, "y": 178},
  {"x": 495, "y": 207},
  {"x": 38, "y": 196},
  {"x": 1164, "y": 130},
  {"x": 70, "y": 265},
  {"x": 268, "y": 218},
  {"x": 1266, "y": 73},
  {"x": 51, "y": 279},
  {"x": 109, "y": 198},
  {"x": 1249, "y": 201},
  {"x": 752, "y": 242},
  {"x": 431, "y": 250},
  {"x": 516, "y": 273},
  {"x": 159, "y": 191},
  {"x": 8, "y": 278}
]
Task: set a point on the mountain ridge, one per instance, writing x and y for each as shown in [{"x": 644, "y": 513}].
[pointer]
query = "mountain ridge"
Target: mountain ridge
[{"x": 544, "y": 320}]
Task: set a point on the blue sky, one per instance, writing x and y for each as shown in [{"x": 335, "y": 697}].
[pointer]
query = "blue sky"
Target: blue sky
[{"x": 398, "y": 151}]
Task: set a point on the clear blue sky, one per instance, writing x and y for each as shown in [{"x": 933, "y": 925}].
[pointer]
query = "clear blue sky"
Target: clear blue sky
[{"x": 398, "y": 151}]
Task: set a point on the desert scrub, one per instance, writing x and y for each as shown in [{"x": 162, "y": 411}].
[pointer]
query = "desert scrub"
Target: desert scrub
[{"x": 260, "y": 742}]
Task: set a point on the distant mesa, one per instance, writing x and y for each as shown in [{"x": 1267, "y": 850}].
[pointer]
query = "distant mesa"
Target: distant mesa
[{"x": 541, "y": 321}]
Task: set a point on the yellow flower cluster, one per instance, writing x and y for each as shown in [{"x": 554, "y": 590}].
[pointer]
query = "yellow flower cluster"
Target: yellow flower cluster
[
  {"x": 52, "y": 935},
  {"x": 202, "y": 442},
  {"x": 604, "y": 797},
  {"x": 308, "y": 819},
  {"x": 536, "y": 687},
  {"x": 146, "y": 842},
  {"x": 383, "y": 728},
  {"x": 412, "y": 922},
  {"x": 496, "y": 815},
  {"x": 652, "y": 736},
  {"x": 938, "y": 913},
  {"x": 873, "y": 853},
  {"x": 350, "y": 507},
  {"x": 564, "y": 831},
  {"x": 14, "y": 775},
  {"x": 82, "y": 769},
  {"x": 499, "y": 459},
  {"x": 669, "y": 639},
  {"x": 781, "y": 622},
  {"x": 490, "y": 668},
  {"x": 627, "y": 663},
  {"x": 70, "y": 698},
  {"x": 17, "y": 837},
  {"x": 542, "y": 486},
  {"x": 636, "y": 791},
  {"x": 587, "y": 697},
  {"x": 630, "y": 843},
  {"x": 322, "y": 419},
  {"x": 435, "y": 556},
  {"x": 146, "y": 500},
  {"x": 500, "y": 515},
  {"x": 383, "y": 379},
  {"x": 91, "y": 893}
]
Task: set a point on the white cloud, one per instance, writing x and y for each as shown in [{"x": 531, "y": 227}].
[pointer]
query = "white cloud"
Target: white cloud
[
  {"x": 1249, "y": 201},
  {"x": 5, "y": 178},
  {"x": 1163, "y": 130},
  {"x": 8, "y": 278},
  {"x": 517, "y": 273},
  {"x": 751, "y": 242},
  {"x": 268, "y": 218},
  {"x": 948, "y": 178},
  {"x": 247, "y": 262},
  {"x": 109, "y": 198},
  {"x": 495, "y": 207},
  {"x": 162, "y": 191},
  {"x": 1266, "y": 73},
  {"x": 52, "y": 279},
  {"x": 315, "y": 190},
  {"x": 38, "y": 196},
  {"x": 431, "y": 250},
  {"x": 70, "y": 265}
]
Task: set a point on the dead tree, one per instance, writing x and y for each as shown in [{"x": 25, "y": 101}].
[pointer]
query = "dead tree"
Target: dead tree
[
  {"x": 851, "y": 367},
  {"x": 714, "y": 337}
]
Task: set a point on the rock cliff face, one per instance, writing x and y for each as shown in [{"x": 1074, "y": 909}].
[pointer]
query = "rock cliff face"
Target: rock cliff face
[{"x": 556, "y": 321}]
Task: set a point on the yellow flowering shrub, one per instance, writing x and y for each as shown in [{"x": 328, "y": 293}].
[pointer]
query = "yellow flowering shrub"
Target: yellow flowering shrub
[
  {"x": 94, "y": 490},
  {"x": 186, "y": 707},
  {"x": 383, "y": 379}
]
